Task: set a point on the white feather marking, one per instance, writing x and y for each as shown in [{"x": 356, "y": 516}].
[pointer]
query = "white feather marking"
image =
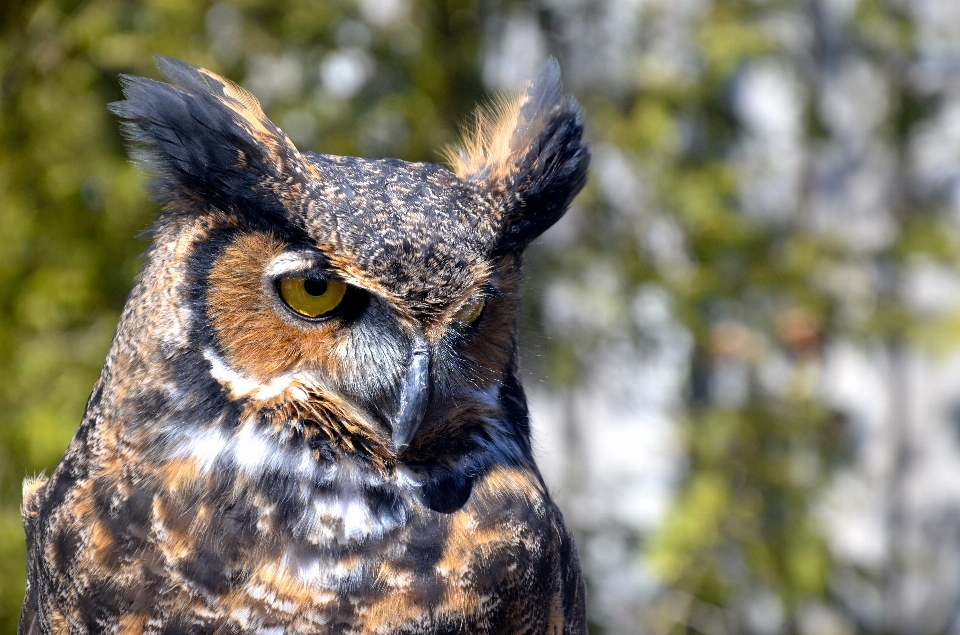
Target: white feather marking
[
  {"x": 241, "y": 386},
  {"x": 308, "y": 463},
  {"x": 311, "y": 571},
  {"x": 407, "y": 479},
  {"x": 241, "y": 616},
  {"x": 277, "y": 386},
  {"x": 251, "y": 451},
  {"x": 268, "y": 595},
  {"x": 237, "y": 384},
  {"x": 308, "y": 570},
  {"x": 206, "y": 446},
  {"x": 290, "y": 262},
  {"x": 298, "y": 393},
  {"x": 357, "y": 519},
  {"x": 345, "y": 515}
]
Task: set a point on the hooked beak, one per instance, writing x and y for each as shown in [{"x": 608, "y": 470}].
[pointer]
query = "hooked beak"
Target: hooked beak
[{"x": 414, "y": 396}]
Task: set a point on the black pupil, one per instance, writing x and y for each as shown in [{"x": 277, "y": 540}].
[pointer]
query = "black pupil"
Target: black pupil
[{"x": 315, "y": 287}]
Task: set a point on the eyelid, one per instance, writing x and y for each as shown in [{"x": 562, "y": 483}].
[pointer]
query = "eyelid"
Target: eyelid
[
  {"x": 310, "y": 273},
  {"x": 296, "y": 264}
]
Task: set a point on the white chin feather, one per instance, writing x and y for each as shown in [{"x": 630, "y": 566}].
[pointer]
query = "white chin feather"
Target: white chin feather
[{"x": 241, "y": 386}]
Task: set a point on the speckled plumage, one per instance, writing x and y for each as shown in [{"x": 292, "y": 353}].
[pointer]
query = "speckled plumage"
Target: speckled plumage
[{"x": 241, "y": 469}]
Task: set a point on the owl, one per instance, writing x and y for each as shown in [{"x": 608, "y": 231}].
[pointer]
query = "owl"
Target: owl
[{"x": 311, "y": 420}]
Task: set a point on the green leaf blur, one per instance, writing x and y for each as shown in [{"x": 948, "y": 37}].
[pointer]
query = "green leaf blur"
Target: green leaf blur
[{"x": 72, "y": 208}]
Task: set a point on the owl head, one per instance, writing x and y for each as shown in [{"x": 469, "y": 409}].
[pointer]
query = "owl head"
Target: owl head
[{"x": 368, "y": 306}]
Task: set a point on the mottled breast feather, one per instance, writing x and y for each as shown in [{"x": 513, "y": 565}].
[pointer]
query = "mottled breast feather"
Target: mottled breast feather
[{"x": 245, "y": 466}]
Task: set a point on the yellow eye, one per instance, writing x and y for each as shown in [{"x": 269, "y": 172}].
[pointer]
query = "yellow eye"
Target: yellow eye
[
  {"x": 469, "y": 311},
  {"x": 312, "y": 297}
]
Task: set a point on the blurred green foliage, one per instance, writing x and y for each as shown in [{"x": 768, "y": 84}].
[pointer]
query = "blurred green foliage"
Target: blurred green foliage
[
  {"x": 71, "y": 205},
  {"x": 744, "y": 521}
]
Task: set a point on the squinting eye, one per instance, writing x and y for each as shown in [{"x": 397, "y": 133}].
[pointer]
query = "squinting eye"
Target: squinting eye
[
  {"x": 312, "y": 297},
  {"x": 469, "y": 311}
]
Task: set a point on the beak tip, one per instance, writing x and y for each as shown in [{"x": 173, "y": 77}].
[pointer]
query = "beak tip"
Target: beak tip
[
  {"x": 401, "y": 438},
  {"x": 403, "y": 435}
]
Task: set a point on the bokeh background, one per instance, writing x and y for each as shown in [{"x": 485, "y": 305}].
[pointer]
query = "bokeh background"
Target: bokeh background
[{"x": 742, "y": 344}]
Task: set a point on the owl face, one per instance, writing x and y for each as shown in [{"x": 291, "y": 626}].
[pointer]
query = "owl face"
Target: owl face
[
  {"x": 376, "y": 297},
  {"x": 397, "y": 310}
]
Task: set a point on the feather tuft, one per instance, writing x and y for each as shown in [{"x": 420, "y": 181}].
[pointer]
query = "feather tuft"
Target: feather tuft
[
  {"x": 527, "y": 148},
  {"x": 206, "y": 141}
]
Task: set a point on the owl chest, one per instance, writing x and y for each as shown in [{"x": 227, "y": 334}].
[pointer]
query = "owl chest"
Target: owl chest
[{"x": 336, "y": 552}]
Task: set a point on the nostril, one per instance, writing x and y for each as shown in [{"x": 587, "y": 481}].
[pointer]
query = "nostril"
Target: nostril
[
  {"x": 419, "y": 348},
  {"x": 418, "y": 357}
]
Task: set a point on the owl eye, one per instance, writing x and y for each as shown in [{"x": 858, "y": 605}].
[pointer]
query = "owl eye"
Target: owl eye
[
  {"x": 469, "y": 311},
  {"x": 311, "y": 297}
]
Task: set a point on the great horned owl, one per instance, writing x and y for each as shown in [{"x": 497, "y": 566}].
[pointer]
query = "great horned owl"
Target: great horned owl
[{"x": 310, "y": 419}]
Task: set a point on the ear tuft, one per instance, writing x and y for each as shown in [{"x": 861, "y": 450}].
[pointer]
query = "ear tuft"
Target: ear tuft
[
  {"x": 207, "y": 142},
  {"x": 527, "y": 149},
  {"x": 493, "y": 147}
]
